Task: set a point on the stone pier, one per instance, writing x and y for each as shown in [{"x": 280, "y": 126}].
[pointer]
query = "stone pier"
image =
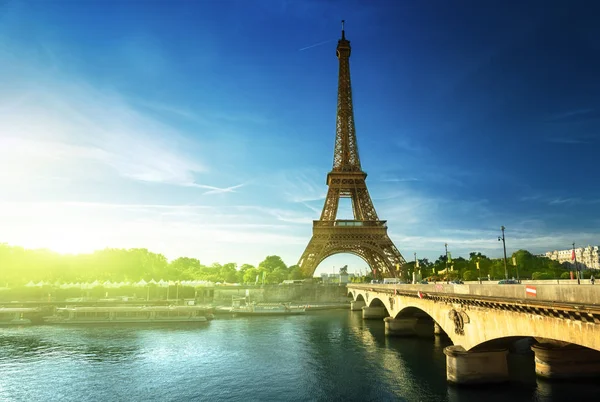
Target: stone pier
[
  {"x": 566, "y": 362},
  {"x": 373, "y": 313},
  {"x": 400, "y": 326},
  {"x": 475, "y": 367},
  {"x": 357, "y": 305},
  {"x": 437, "y": 330},
  {"x": 409, "y": 326}
]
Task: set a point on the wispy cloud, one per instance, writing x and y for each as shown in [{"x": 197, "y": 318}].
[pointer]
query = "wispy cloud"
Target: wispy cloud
[
  {"x": 391, "y": 179},
  {"x": 59, "y": 123},
  {"x": 572, "y": 113},
  {"x": 411, "y": 147},
  {"x": 289, "y": 216},
  {"x": 559, "y": 201},
  {"x": 569, "y": 141},
  {"x": 315, "y": 45},
  {"x": 217, "y": 190},
  {"x": 79, "y": 126},
  {"x": 302, "y": 185}
]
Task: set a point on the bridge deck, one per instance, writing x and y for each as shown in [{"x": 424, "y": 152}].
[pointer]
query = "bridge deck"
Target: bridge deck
[{"x": 565, "y": 297}]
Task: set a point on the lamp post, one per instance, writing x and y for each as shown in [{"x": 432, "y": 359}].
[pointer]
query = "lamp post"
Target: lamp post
[
  {"x": 447, "y": 277},
  {"x": 516, "y": 268},
  {"x": 478, "y": 270},
  {"x": 415, "y": 268},
  {"x": 576, "y": 269},
  {"x": 504, "y": 245}
]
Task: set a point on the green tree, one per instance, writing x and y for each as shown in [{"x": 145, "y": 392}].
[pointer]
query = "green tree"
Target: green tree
[
  {"x": 250, "y": 275},
  {"x": 541, "y": 275},
  {"x": 271, "y": 263},
  {"x": 469, "y": 275},
  {"x": 277, "y": 276},
  {"x": 295, "y": 272},
  {"x": 228, "y": 272}
]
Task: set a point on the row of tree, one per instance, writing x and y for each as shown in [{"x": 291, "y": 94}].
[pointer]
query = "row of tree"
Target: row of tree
[
  {"x": 521, "y": 264},
  {"x": 19, "y": 266}
]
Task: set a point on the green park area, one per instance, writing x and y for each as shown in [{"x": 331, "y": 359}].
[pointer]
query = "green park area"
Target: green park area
[{"x": 19, "y": 266}]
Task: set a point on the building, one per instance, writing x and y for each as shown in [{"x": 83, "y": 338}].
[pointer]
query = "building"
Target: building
[
  {"x": 588, "y": 257},
  {"x": 337, "y": 278}
]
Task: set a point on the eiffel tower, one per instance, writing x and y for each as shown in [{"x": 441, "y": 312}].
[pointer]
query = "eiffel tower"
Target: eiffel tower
[{"x": 365, "y": 235}]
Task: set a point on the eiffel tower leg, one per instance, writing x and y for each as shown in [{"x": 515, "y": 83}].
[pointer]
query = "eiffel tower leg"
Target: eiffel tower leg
[{"x": 312, "y": 256}]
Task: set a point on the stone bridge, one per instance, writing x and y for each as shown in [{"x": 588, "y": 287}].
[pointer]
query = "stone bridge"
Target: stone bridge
[{"x": 559, "y": 323}]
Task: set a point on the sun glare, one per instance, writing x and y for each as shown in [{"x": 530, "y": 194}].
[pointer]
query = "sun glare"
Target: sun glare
[{"x": 61, "y": 242}]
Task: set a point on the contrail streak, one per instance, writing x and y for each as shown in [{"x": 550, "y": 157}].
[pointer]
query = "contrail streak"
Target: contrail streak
[{"x": 316, "y": 44}]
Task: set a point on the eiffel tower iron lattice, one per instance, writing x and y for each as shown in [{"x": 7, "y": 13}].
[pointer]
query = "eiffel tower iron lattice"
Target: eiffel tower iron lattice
[{"x": 365, "y": 235}]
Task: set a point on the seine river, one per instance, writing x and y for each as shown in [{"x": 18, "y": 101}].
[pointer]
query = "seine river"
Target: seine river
[{"x": 324, "y": 356}]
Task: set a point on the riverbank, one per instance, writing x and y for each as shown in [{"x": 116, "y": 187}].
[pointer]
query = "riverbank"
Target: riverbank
[{"x": 309, "y": 307}]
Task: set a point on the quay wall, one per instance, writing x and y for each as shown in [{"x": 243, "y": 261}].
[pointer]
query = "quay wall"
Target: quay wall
[{"x": 305, "y": 293}]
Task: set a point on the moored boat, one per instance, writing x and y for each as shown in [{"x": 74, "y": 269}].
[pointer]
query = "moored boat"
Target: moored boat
[
  {"x": 16, "y": 315},
  {"x": 128, "y": 314}
]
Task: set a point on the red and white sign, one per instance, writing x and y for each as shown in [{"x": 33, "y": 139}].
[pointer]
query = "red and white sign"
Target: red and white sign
[
  {"x": 420, "y": 294},
  {"x": 531, "y": 291}
]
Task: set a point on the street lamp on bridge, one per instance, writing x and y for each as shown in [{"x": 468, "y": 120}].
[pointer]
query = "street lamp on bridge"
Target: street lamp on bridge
[
  {"x": 577, "y": 271},
  {"x": 447, "y": 277},
  {"x": 504, "y": 245}
]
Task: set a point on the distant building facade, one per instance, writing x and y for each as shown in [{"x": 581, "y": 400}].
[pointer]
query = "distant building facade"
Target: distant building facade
[
  {"x": 337, "y": 278},
  {"x": 588, "y": 257}
]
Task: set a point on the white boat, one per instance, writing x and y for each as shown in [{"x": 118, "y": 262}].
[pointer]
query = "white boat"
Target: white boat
[
  {"x": 16, "y": 315},
  {"x": 128, "y": 314},
  {"x": 267, "y": 309}
]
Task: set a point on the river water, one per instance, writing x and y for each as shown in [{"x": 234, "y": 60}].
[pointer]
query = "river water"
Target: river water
[{"x": 321, "y": 356}]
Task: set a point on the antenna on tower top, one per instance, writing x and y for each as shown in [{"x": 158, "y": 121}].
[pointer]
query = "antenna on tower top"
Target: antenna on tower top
[{"x": 343, "y": 35}]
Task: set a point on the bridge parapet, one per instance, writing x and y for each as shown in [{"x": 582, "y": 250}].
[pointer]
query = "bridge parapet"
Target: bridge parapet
[{"x": 585, "y": 295}]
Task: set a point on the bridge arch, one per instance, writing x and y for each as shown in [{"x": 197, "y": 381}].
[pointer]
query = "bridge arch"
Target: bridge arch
[{"x": 377, "y": 302}]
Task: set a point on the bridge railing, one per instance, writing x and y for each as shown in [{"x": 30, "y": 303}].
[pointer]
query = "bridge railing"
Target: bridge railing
[
  {"x": 568, "y": 294},
  {"x": 349, "y": 223}
]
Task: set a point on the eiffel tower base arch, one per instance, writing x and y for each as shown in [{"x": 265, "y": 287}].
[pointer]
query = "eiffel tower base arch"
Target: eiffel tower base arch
[{"x": 365, "y": 239}]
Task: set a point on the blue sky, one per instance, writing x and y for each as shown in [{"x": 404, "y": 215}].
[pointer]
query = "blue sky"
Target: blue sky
[{"x": 206, "y": 128}]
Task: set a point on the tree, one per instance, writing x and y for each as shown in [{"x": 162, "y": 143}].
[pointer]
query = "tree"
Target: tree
[
  {"x": 271, "y": 263},
  {"x": 469, "y": 276},
  {"x": 295, "y": 273},
  {"x": 181, "y": 268},
  {"x": 228, "y": 272},
  {"x": 277, "y": 276},
  {"x": 541, "y": 275},
  {"x": 250, "y": 275}
]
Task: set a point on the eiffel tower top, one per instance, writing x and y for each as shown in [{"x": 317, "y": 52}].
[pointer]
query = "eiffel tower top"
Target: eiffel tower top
[{"x": 345, "y": 156}]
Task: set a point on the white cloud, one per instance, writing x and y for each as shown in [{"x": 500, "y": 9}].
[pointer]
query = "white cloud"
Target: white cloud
[
  {"x": 301, "y": 185},
  {"x": 53, "y": 124},
  {"x": 76, "y": 124}
]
